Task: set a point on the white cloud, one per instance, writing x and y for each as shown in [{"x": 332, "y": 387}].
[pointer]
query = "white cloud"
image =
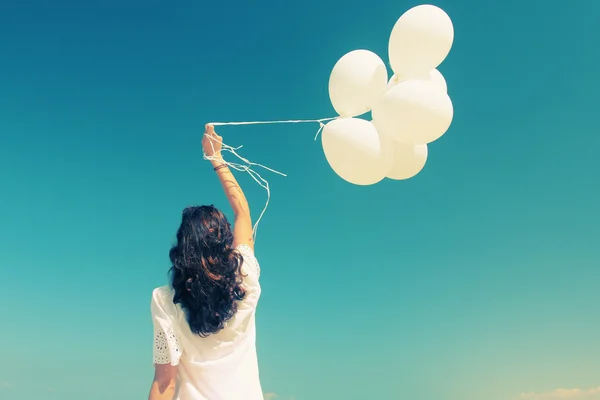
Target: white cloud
[
  {"x": 5, "y": 385},
  {"x": 587, "y": 394}
]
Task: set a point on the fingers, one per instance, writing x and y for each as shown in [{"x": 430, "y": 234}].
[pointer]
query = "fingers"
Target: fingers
[
  {"x": 210, "y": 132},
  {"x": 212, "y": 138}
]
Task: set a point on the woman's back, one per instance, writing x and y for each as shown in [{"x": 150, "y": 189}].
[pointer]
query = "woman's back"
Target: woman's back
[{"x": 222, "y": 365}]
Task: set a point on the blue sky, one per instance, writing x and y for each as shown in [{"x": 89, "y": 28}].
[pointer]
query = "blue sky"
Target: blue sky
[{"x": 476, "y": 280}]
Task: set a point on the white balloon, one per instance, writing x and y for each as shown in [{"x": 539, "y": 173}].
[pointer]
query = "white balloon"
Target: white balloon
[
  {"x": 353, "y": 150},
  {"x": 433, "y": 76},
  {"x": 407, "y": 160},
  {"x": 403, "y": 160},
  {"x": 420, "y": 40},
  {"x": 414, "y": 111},
  {"x": 438, "y": 79},
  {"x": 357, "y": 80}
]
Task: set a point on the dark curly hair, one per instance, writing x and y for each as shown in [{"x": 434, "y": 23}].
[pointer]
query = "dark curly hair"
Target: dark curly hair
[{"x": 206, "y": 273}]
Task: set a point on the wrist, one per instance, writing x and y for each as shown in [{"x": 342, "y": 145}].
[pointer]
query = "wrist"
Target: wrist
[
  {"x": 220, "y": 167},
  {"x": 216, "y": 159}
]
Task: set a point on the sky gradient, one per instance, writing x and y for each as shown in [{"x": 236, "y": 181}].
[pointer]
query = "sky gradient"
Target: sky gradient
[{"x": 476, "y": 280}]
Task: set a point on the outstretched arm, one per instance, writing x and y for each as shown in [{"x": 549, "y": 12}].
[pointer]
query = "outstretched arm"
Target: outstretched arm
[{"x": 242, "y": 230}]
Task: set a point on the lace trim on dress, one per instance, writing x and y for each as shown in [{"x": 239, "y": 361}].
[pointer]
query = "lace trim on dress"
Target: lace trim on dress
[{"x": 166, "y": 347}]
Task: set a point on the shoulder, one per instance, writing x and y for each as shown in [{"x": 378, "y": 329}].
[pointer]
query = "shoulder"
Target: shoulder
[
  {"x": 250, "y": 262},
  {"x": 245, "y": 250},
  {"x": 162, "y": 298},
  {"x": 162, "y": 292}
]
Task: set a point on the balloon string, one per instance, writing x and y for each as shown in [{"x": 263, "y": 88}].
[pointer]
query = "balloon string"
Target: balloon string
[
  {"x": 247, "y": 164},
  {"x": 321, "y": 123},
  {"x": 291, "y": 121}
]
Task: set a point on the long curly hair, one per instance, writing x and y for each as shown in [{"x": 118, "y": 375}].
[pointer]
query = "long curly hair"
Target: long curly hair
[{"x": 206, "y": 270}]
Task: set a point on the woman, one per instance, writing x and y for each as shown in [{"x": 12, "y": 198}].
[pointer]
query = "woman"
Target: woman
[{"x": 204, "y": 330}]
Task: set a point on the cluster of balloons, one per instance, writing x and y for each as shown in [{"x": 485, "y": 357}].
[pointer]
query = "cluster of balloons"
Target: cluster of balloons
[{"x": 409, "y": 111}]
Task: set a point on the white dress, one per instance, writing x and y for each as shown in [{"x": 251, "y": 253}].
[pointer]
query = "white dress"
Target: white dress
[{"x": 222, "y": 366}]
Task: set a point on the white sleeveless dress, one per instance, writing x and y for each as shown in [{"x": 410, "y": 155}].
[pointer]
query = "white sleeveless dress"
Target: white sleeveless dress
[{"x": 222, "y": 366}]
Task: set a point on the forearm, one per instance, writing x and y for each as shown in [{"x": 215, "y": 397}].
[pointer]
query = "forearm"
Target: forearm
[
  {"x": 232, "y": 189},
  {"x": 162, "y": 393}
]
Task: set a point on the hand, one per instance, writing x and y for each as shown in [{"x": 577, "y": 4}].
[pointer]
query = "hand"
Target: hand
[{"x": 211, "y": 142}]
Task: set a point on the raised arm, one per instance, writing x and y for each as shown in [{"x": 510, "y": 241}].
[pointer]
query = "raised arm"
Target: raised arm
[{"x": 242, "y": 227}]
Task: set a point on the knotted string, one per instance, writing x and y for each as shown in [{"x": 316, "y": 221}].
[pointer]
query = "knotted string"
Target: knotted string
[{"x": 247, "y": 166}]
